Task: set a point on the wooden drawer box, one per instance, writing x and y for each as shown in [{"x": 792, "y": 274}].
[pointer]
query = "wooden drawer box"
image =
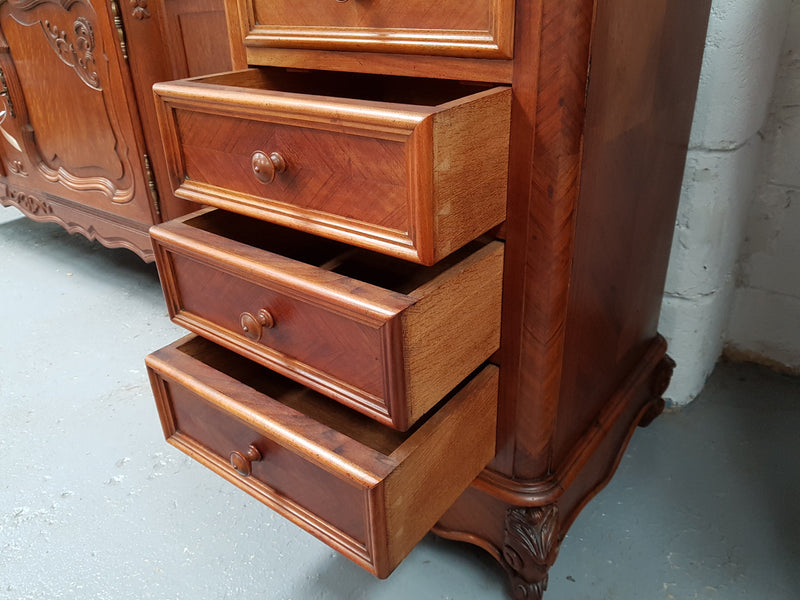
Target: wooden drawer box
[
  {"x": 408, "y": 167},
  {"x": 368, "y": 491},
  {"x": 384, "y": 336},
  {"x": 478, "y": 28}
]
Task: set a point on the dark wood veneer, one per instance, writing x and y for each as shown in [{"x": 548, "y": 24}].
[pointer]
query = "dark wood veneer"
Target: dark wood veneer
[{"x": 604, "y": 93}]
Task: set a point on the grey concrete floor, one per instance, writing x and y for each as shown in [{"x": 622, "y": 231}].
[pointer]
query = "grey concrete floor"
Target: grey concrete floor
[{"x": 95, "y": 505}]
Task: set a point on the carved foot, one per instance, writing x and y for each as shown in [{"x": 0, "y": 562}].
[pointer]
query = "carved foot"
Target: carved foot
[
  {"x": 530, "y": 547},
  {"x": 655, "y": 408},
  {"x": 662, "y": 375}
]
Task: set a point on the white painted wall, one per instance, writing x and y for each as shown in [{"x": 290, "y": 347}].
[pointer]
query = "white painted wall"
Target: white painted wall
[
  {"x": 764, "y": 324},
  {"x": 743, "y": 51}
]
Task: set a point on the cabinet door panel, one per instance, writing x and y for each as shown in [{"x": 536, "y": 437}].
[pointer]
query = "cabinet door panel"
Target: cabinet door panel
[{"x": 76, "y": 124}]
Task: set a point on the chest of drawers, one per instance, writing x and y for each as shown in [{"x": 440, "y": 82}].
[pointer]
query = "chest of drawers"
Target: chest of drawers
[{"x": 427, "y": 285}]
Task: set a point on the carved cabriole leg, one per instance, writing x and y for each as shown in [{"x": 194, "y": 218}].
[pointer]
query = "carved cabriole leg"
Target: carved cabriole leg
[
  {"x": 530, "y": 547},
  {"x": 523, "y": 522}
]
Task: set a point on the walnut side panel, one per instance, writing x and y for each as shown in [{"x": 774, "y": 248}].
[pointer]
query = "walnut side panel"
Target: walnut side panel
[
  {"x": 550, "y": 69},
  {"x": 638, "y": 119}
]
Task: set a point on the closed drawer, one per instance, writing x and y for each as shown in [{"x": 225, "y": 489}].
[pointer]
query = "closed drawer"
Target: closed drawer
[
  {"x": 478, "y": 28},
  {"x": 368, "y": 491},
  {"x": 381, "y": 335},
  {"x": 411, "y": 168}
]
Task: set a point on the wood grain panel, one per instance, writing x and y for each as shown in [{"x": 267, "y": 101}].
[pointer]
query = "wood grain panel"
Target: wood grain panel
[
  {"x": 196, "y": 36},
  {"x": 550, "y": 72},
  {"x": 326, "y": 172},
  {"x": 639, "y": 115},
  {"x": 481, "y": 28},
  {"x": 440, "y": 67},
  {"x": 454, "y": 325},
  {"x": 287, "y": 475},
  {"x": 304, "y": 334}
]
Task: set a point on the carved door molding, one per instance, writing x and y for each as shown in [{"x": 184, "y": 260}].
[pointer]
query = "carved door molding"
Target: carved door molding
[{"x": 73, "y": 122}]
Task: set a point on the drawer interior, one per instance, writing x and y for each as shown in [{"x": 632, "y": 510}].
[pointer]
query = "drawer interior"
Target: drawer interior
[
  {"x": 293, "y": 395},
  {"x": 363, "y": 265},
  {"x": 370, "y": 492},
  {"x": 415, "y": 91}
]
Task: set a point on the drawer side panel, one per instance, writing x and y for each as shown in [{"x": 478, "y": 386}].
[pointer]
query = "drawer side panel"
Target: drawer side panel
[{"x": 433, "y": 472}]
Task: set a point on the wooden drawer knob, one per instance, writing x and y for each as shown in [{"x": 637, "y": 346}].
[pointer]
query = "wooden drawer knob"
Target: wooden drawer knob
[
  {"x": 266, "y": 167},
  {"x": 253, "y": 325},
  {"x": 242, "y": 463}
]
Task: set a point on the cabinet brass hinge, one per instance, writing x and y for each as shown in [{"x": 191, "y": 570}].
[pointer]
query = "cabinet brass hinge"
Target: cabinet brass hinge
[
  {"x": 151, "y": 183},
  {"x": 4, "y": 93},
  {"x": 115, "y": 11}
]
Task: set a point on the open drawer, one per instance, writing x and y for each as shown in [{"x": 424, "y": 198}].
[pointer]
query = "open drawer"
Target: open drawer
[
  {"x": 384, "y": 336},
  {"x": 413, "y": 168},
  {"x": 368, "y": 491}
]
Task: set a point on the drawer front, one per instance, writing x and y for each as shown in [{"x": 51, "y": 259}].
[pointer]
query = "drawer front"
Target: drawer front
[
  {"x": 327, "y": 172},
  {"x": 369, "y": 492},
  {"x": 389, "y": 355},
  {"x": 302, "y": 334},
  {"x": 312, "y": 489},
  {"x": 478, "y": 28},
  {"x": 407, "y": 167}
]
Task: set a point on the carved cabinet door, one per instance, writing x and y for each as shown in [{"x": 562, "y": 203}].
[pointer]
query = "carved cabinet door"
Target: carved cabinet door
[{"x": 68, "y": 120}]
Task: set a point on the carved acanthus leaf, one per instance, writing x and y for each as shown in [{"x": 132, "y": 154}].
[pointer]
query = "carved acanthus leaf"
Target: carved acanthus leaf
[
  {"x": 531, "y": 537},
  {"x": 78, "y": 54},
  {"x": 530, "y": 532}
]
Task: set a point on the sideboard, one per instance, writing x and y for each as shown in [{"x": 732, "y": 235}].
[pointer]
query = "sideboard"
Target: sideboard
[
  {"x": 425, "y": 288},
  {"x": 80, "y": 143}
]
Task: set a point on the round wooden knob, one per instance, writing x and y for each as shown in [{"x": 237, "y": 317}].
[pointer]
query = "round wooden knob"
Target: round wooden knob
[
  {"x": 266, "y": 167},
  {"x": 253, "y": 325},
  {"x": 242, "y": 463}
]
